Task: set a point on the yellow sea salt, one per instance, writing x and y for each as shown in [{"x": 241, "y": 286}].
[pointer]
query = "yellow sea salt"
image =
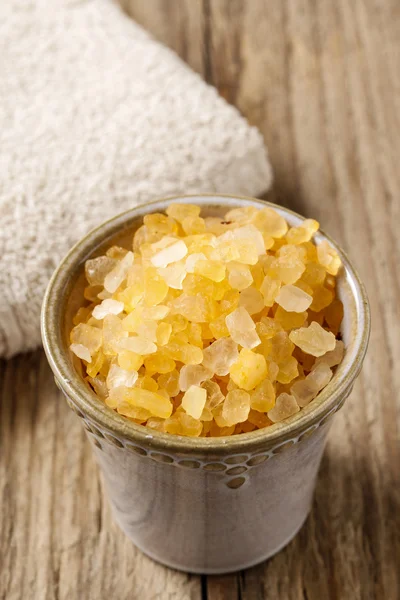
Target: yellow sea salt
[
  {"x": 313, "y": 339},
  {"x": 211, "y": 326},
  {"x": 249, "y": 369},
  {"x": 194, "y": 401}
]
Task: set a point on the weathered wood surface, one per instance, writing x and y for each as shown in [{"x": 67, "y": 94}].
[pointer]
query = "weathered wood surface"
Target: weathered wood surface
[{"x": 321, "y": 81}]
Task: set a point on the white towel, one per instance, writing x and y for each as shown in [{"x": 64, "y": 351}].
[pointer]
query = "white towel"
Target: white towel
[{"x": 97, "y": 117}]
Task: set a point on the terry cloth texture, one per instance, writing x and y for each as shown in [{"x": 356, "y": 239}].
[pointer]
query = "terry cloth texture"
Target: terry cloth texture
[{"x": 97, "y": 117}]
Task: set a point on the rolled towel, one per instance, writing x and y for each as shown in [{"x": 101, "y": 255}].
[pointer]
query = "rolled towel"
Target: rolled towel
[{"x": 96, "y": 118}]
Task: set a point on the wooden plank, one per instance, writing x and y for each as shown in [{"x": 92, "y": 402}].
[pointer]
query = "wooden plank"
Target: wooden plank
[
  {"x": 178, "y": 25},
  {"x": 223, "y": 587}
]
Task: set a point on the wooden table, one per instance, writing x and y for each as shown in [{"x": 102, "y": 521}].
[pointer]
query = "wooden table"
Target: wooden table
[{"x": 321, "y": 80}]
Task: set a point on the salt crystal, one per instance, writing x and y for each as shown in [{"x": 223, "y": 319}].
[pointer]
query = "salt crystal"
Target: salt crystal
[
  {"x": 163, "y": 333},
  {"x": 240, "y": 276},
  {"x": 304, "y": 391},
  {"x": 107, "y": 307},
  {"x": 104, "y": 295},
  {"x": 155, "y": 312},
  {"x": 333, "y": 357},
  {"x": 138, "y": 344},
  {"x": 273, "y": 370},
  {"x": 288, "y": 266},
  {"x": 249, "y": 370},
  {"x": 115, "y": 277},
  {"x": 252, "y": 300},
  {"x": 231, "y": 247},
  {"x": 113, "y": 332},
  {"x": 192, "y": 259},
  {"x": 99, "y": 385},
  {"x": 249, "y": 232},
  {"x": 155, "y": 288},
  {"x": 214, "y": 394},
  {"x": 242, "y": 328},
  {"x": 270, "y": 222},
  {"x": 210, "y": 269},
  {"x": 236, "y": 407},
  {"x": 307, "y": 389},
  {"x": 148, "y": 330},
  {"x": 181, "y": 211},
  {"x": 183, "y": 352},
  {"x": 288, "y": 370},
  {"x": 140, "y": 415},
  {"x": 320, "y": 375},
  {"x": 81, "y": 352},
  {"x": 97, "y": 268},
  {"x": 129, "y": 360},
  {"x": 193, "y": 375},
  {"x": 189, "y": 425},
  {"x": 88, "y": 336},
  {"x": 156, "y": 404},
  {"x": 263, "y": 397},
  {"x": 171, "y": 254},
  {"x": 119, "y": 377},
  {"x": 158, "y": 363},
  {"x": 194, "y": 401},
  {"x": 164, "y": 242},
  {"x": 173, "y": 275},
  {"x": 293, "y": 299},
  {"x": 313, "y": 339},
  {"x": 224, "y": 249},
  {"x": 169, "y": 382},
  {"x": 328, "y": 257},
  {"x": 197, "y": 309},
  {"x": 220, "y": 355},
  {"x": 270, "y": 289},
  {"x": 285, "y": 406},
  {"x": 243, "y": 213}
]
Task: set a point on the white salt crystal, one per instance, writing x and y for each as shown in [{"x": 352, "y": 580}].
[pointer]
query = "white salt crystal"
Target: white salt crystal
[
  {"x": 285, "y": 407},
  {"x": 115, "y": 277},
  {"x": 321, "y": 375},
  {"x": 173, "y": 275},
  {"x": 333, "y": 357},
  {"x": 155, "y": 312},
  {"x": 147, "y": 330},
  {"x": 192, "y": 259},
  {"x": 242, "y": 328},
  {"x": 171, "y": 254},
  {"x": 193, "y": 375},
  {"x": 304, "y": 391},
  {"x": 251, "y": 233},
  {"x": 117, "y": 377},
  {"x": 163, "y": 243},
  {"x": 81, "y": 352},
  {"x": 139, "y": 345},
  {"x": 107, "y": 307},
  {"x": 293, "y": 299},
  {"x": 220, "y": 355},
  {"x": 97, "y": 268}
]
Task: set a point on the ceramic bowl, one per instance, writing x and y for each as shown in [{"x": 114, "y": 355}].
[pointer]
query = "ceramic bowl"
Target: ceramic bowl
[{"x": 204, "y": 505}]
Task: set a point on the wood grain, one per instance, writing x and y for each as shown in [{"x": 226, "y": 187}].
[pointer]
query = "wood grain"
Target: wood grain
[{"x": 321, "y": 81}]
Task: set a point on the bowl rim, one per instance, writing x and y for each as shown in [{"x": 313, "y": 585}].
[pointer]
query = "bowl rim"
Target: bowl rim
[{"x": 98, "y": 412}]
